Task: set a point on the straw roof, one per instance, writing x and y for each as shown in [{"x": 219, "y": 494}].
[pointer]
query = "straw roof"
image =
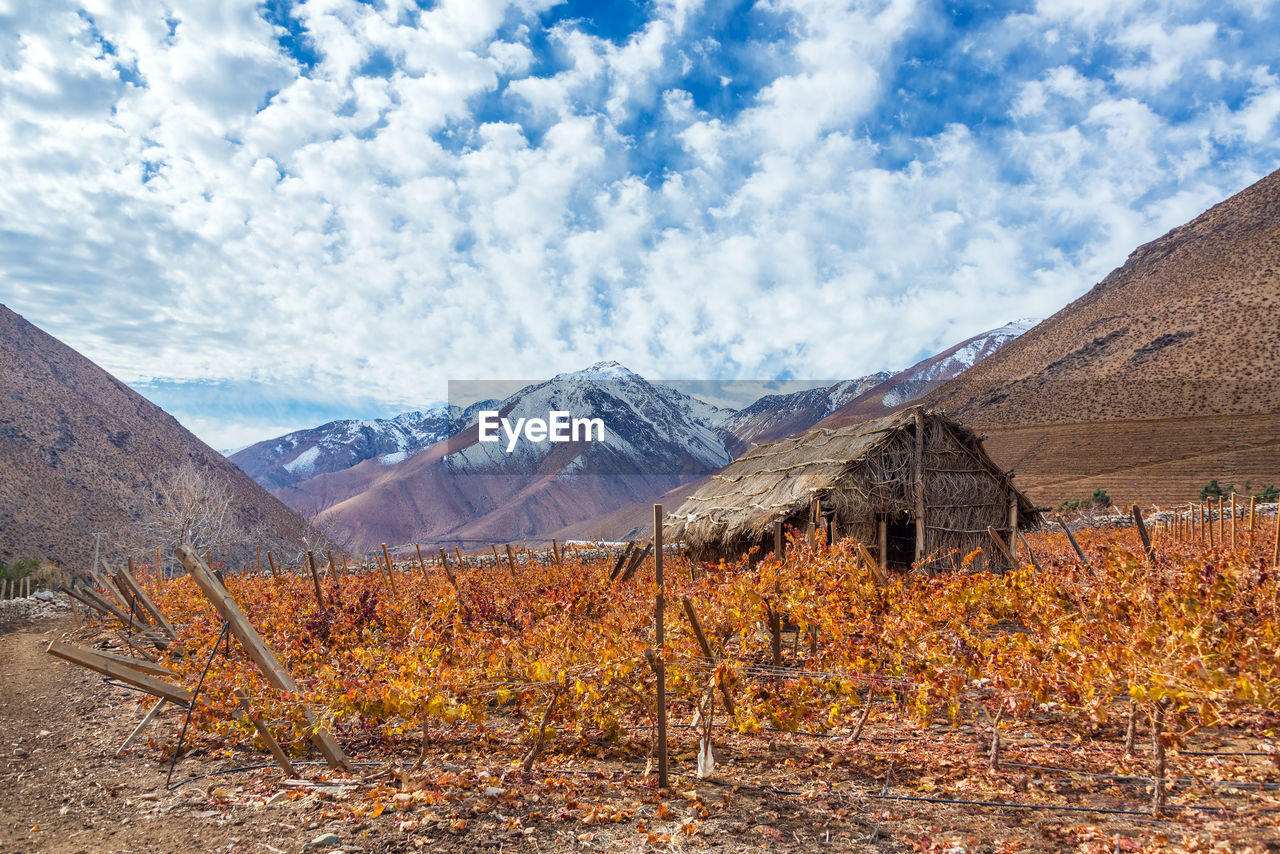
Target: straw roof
[{"x": 777, "y": 480}]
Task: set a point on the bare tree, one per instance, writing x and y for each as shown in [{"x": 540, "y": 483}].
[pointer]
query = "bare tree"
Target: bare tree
[{"x": 191, "y": 505}]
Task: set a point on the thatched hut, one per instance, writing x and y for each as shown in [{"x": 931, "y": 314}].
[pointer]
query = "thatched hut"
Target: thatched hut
[{"x": 912, "y": 486}]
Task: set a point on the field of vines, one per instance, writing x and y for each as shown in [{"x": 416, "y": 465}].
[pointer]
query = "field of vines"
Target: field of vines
[{"x": 1120, "y": 703}]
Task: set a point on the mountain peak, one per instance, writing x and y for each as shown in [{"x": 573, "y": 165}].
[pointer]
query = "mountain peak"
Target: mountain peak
[{"x": 602, "y": 371}]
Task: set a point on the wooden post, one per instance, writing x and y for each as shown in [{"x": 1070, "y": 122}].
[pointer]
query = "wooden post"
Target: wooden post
[
  {"x": 882, "y": 535},
  {"x": 659, "y": 641},
  {"x": 1209, "y": 522},
  {"x": 1157, "y": 747},
  {"x": 448, "y": 573},
  {"x": 391, "y": 576},
  {"x": 1222, "y": 522},
  {"x": 779, "y": 546},
  {"x": 1253, "y": 511},
  {"x": 462, "y": 562},
  {"x": 511, "y": 562},
  {"x": 261, "y": 655},
  {"x": 281, "y": 759},
  {"x": 1275, "y": 555},
  {"x": 1233, "y": 521},
  {"x": 1013, "y": 526},
  {"x": 555, "y": 552},
  {"x": 706, "y": 649},
  {"x": 1142, "y": 532},
  {"x": 422, "y": 564},
  {"x": 919, "y": 485},
  {"x": 315, "y": 579},
  {"x": 272, "y": 563}
]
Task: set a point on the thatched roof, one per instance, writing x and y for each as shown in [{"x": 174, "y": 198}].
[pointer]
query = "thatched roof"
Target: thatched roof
[{"x": 777, "y": 480}]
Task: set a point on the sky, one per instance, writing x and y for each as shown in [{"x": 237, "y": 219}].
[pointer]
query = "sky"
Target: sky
[{"x": 265, "y": 215}]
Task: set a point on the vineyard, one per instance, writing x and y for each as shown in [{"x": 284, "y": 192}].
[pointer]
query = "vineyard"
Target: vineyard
[{"x": 1126, "y": 701}]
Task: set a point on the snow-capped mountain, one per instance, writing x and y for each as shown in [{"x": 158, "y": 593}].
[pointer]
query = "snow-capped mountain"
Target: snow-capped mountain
[
  {"x": 915, "y": 382},
  {"x": 648, "y": 429},
  {"x": 776, "y": 416},
  {"x": 338, "y": 445}
]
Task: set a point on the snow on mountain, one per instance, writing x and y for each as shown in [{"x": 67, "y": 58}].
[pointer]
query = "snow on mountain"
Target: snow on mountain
[
  {"x": 950, "y": 363},
  {"x": 649, "y": 429},
  {"x": 777, "y": 415},
  {"x": 338, "y": 445}
]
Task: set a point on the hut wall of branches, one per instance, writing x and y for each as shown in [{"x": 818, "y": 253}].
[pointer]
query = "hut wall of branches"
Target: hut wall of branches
[{"x": 915, "y": 487}]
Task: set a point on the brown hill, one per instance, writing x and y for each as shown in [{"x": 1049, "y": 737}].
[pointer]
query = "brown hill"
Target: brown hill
[
  {"x": 1189, "y": 326},
  {"x": 79, "y": 449},
  {"x": 1143, "y": 385}
]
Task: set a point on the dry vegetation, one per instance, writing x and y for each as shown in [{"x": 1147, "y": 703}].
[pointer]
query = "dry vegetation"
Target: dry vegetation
[{"x": 868, "y": 725}]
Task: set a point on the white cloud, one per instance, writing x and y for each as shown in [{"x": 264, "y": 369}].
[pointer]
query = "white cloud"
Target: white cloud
[{"x": 440, "y": 195}]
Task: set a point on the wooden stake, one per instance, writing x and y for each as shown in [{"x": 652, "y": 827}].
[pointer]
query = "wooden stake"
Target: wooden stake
[
  {"x": 1142, "y": 533},
  {"x": 511, "y": 562},
  {"x": 391, "y": 576},
  {"x": 1253, "y": 512},
  {"x": 779, "y": 545},
  {"x": 281, "y": 759},
  {"x": 315, "y": 579},
  {"x": 878, "y": 575},
  {"x": 555, "y": 552},
  {"x": 261, "y": 655},
  {"x": 1070, "y": 538},
  {"x": 448, "y": 573},
  {"x": 993, "y": 758},
  {"x": 634, "y": 564},
  {"x": 1131, "y": 731},
  {"x": 1275, "y": 555},
  {"x": 882, "y": 537},
  {"x": 1003, "y": 549},
  {"x": 272, "y": 562},
  {"x": 622, "y": 559},
  {"x": 706, "y": 650},
  {"x": 1233, "y": 521},
  {"x": 422, "y": 564},
  {"x": 659, "y": 641}
]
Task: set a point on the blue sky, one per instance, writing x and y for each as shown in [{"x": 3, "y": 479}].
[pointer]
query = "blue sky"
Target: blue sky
[{"x": 267, "y": 215}]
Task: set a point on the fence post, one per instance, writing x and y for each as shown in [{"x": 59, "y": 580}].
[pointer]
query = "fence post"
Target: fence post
[{"x": 659, "y": 640}]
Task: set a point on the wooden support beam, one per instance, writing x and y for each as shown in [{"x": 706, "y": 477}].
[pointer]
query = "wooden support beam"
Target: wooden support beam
[
  {"x": 622, "y": 559},
  {"x": 779, "y": 544},
  {"x": 511, "y": 562},
  {"x": 878, "y": 575},
  {"x": 91, "y": 660},
  {"x": 140, "y": 664},
  {"x": 157, "y": 616},
  {"x": 1003, "y": 549},
  {"x": 265, "y": 734},
  {"x": 258, "y": 651},
  {"x": 146, "y": 721}
]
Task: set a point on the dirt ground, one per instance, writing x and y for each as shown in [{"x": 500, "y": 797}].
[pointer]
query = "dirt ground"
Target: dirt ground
[{"x": 64, "y": 789}]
